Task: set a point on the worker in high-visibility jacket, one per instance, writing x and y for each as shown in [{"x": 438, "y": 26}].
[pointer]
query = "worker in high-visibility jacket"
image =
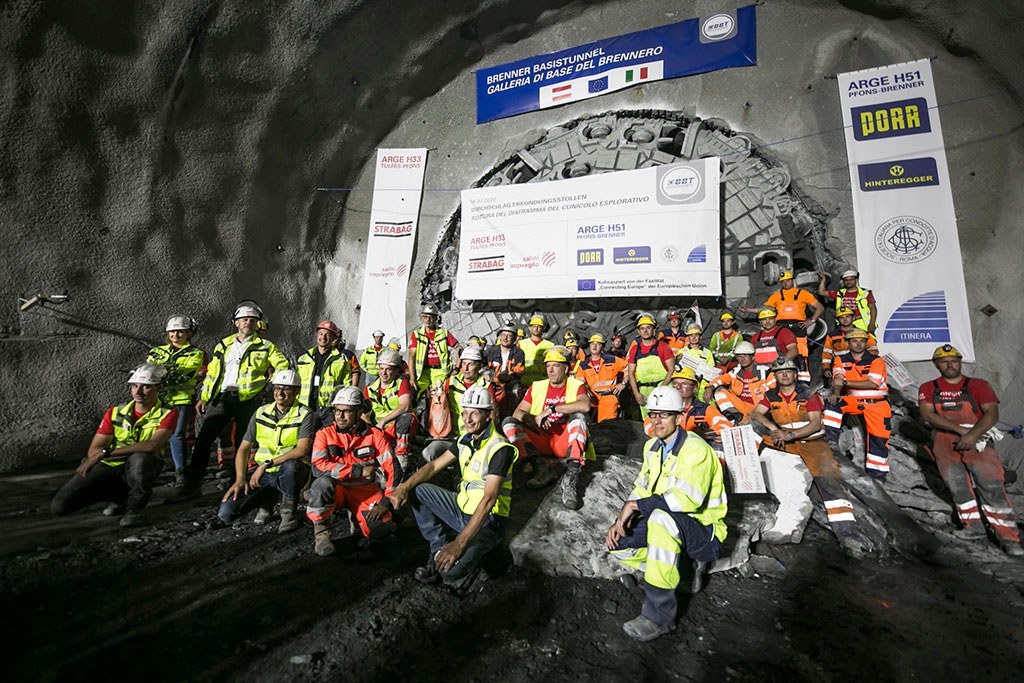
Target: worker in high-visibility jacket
[
  {"x": 676, "y": 510},
  {"x": 703, "y": 419},
  {"x": 124, "y": 457},
  {"x": 964, "y": 411},
  {"x": 368, "y": 358},
  {"x": 279, "y": 437},
  {"x": 739, "y": 390},
  {"x": 506, "y": 364},
  {"x": 860, "y": 387},
  {"x": 553, "y": 416},
  {"x": 432, "y": 350},
  {"x": 792, "y": 418},
  {"x": 791, "y": 304},
  {"x": 723, "y": 342},
  {"x": 392, "y": 400},
  {"x": 478, "y": 513},
  {"x": 323, "y": 370},
  {"x": 773, "y": 341},
  {"x": 185, "y": 366},
  {"x": 471, "y": 362},
  {"x": 534, "y": 347},
  {"x": 235, "y": 377},
  {"x": 674, "y": 335},
  {"x": 835, "y": 342},
  {"x": 650, "y": 362},
  {"x": 604, "y": 374},
  {"x": 695, "y": 349},
  {"x": 355, "y": 468},
  {"x": 854, "y": 297}
]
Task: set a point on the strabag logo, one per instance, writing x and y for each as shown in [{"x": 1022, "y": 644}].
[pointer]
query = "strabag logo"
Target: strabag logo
[
  {"x": 679, "y": 184},
  {"x": 898, "y": 174},
  {"x": 718, "y": 27},
  {"x": 632, "y": 255},
  {"x": 385, "y": 229},
  {"x": 906, "y": 239},
  {"x": 891, "y": 119},
  {"x": 487, "y": 264}
]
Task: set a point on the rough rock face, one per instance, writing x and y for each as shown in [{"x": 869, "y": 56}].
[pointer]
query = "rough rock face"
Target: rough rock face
[{"x": 165, "y": 158}]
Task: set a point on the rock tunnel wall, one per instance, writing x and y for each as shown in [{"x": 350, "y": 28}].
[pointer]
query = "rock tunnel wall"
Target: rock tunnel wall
[{"x": 163, "y": 158}]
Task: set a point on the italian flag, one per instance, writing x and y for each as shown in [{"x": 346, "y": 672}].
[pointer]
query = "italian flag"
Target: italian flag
[{"x": 634, "y": 74}]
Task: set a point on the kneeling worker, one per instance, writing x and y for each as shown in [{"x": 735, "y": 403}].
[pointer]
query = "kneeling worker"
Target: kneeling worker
[
  {"x": 478, "y": 513},
  {"x": 123, "y": 460},
  {"x": 347, "y": 457},
  {"x": 676, "y": 509}
]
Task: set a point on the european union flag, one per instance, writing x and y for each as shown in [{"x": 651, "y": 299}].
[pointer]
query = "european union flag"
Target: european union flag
[{"x": 598, "y": 84}]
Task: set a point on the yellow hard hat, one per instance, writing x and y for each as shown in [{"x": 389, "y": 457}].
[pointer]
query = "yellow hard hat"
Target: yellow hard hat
[
  {"x": 520, "y": 333},
  {"x": 844, "y": 311},
  {"x": 946, "y": 351},
  {"x": 767, "y": 312},
  {"x": 857, "y": 333},
  {"x": 599, "y": 338},
  {"x": 536, "y": 320},
  {"x": 645, "y": 320},
  {"x": 726, "y": 316},
  {"x": 694, "y": 329},
  {"x": 786, "y": 275},
  {"x": 685, "y": 373},
  {"x": 572, "y": 343},
  {"x": 557, "y": 354}
]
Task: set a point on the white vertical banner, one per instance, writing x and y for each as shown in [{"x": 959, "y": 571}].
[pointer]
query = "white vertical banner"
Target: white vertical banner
[
  {"x": 908, "y": 249},
  {"x": 397, "y": 191}
]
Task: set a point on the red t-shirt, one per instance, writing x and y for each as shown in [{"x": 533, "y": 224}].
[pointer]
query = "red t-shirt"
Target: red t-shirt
[
  {"x": 554, "y": 397},
  {"x": 850, "y": 298},
  {"x": 107, "y": 425},
  {"x": 664, "y": 350},
  {"x": 433, "y": 361},
  {"x": 404, "y": 388},
  {"x": 980, "y": 390},
  {"x": 814, "y": 403}
]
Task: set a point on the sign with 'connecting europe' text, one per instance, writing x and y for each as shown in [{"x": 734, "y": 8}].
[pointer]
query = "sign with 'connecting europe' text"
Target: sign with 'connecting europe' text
[
  {"x": 643, "y": 233},
  {"x": 908, "y": 248},
  {"x": 720, "y": 41}
]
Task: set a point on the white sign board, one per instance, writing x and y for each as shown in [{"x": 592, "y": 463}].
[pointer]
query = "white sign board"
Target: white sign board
[
  {"x": 742, "y": 461},
  {"x": 699, "y": 367},
  {"x": 649, "y": 232}
]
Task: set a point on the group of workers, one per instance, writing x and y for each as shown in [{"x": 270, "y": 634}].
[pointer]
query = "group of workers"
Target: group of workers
[{"x": 339, "y": 431}]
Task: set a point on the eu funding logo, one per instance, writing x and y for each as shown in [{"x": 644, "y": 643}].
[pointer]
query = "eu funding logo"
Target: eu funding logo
[
  {"x": 586, "y": 285},
  {"x": 891, "y": 119},
  {"x": 631, "y": 255},
  {"x": 898, "y": 174}
]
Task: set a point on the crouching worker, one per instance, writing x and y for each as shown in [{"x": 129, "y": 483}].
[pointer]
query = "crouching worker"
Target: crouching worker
[
  {"x": 282, "y": 432},
  {"x": 123, "y": 460},
  {"x": 676, "y": 510},
  {"x": 355, "y": 468},
  {"x": 392, "y": 400},
  {"x": 478, "y": 513}
]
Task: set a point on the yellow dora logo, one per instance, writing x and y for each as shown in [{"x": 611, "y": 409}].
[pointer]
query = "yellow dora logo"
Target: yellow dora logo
[{"x": 896, "y": 171}]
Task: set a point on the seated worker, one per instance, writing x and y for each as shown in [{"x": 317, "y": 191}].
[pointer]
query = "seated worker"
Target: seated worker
[
  {"x": 282, "y": 433},
  {"x": 723, "y": 343},
  {"x": 674, "y": 335},
  {"x": 534, "y": 347},
  {"x": 431, "y": 349},
  {"x": 695, "y": 349},
  {"x": 323, "y": 370},
  {"x": 354, "y": 468},
  {"x": 553, "y": 417},
  {"x": 368, "y": 358},
  {"x": 738, "y": 391},
  {"x": 963, "y": 410},
  {"x": 703, "y": 419},
  {"x": 479, "y": 512},
  {"x": 123, "y": 460},
  {"x": 772, "y": 341},
  {"x": 835, "y": 342},
  {"x": 391, "y": 401},
  {"x": 604, "y": 375},
  {"x": 650, "y": 360},
  {"x": 469, "y": 375},
  {"x": 506, "y": 363},
  {"x": 859, "y": 387},
  {"x": 676, "y": 510},
  {"x": 853, "y": 297},
  {"x": 791, "y": 416}
]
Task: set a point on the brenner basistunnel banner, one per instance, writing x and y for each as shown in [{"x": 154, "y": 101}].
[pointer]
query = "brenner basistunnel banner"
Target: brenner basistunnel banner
[
  {"x": 908, "y": 249},
  {"x": 649, "y": 232},
  {"x": 397, "y": 190},
  {"x": 718, "y": 41}
]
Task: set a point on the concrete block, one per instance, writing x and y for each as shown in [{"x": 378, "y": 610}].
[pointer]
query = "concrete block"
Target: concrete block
[{"x": 788, "y": 479}]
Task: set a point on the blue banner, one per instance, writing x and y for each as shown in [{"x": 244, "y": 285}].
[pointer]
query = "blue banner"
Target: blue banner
[{"x": 694, "y": 46}]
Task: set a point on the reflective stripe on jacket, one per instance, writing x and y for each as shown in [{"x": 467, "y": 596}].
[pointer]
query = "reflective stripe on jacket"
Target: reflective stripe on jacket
[
  {"x": 257, "y": 360},
  {"x": 440, "y": 342},
  {"x": 473, "y": 464},
  {"x": 335, "y": 373},
  {"x": 863, "y": 316},
  {"x": 127, "y": 432},
  {"x": 276, "y": 436},
  {"x": 792, "y": 414},
  {"x": 183, "y": 368}
]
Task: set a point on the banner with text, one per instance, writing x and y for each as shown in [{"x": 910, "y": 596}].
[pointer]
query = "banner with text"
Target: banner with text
[
  {"x": 649, "y": 232},
  {"x": 721, "y": 41},
  {"x": 397, "y": 190},
  {"x": 908, "y": 248}
]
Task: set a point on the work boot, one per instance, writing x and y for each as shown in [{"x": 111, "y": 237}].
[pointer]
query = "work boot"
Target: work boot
[
  {"x": 403, "y": 462},
  {"x": 700, "y": 570},
  {"x": 570, "y": 487},
  {"x": 1011, "y": 548},
  {"x": 427, "y": 573},
  {"x": 113, "y": 510},
  {"x": 644, "y": 630},
  {"x": 542, "y": 474},
  {"x": 289, "y": 520},
  {"x": 179, "y": 479},
  {"x": 263, "y": 516},
  {"x": 132, "y": 518},
  {"x": 322, "y": 543}
]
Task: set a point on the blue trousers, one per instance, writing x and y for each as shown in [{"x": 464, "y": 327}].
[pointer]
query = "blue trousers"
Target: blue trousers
[
  {"x": 179, "y": 452},
  {"x": 287, "y": 481}
]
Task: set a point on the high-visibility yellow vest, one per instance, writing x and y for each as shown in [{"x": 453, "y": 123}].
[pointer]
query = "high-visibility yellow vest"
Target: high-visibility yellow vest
[
  {"x": 335, "y": 373},
  {"x": 127, "y": 432},
  {"x": 440, "y": 343},
  {"x": 456, "y": 388},
  {"x": 183, "y": 366},
  {"x": 257, "y": 360},
  {"x": 650, "y": 369},
  {"x": 276, "y": 436},
  {"x": 368, "y": 359},
  {"x": 473, "y": 464},
  {"x": 690, "y": 479},
  {"x": 573, "y": 388},
  {"x": 863, "y": 309},
  {"x": 534, "y": 353},
  {"x": 384, "y": 401}
]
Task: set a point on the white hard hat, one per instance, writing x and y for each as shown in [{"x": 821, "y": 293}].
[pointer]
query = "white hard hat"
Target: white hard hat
[
  {"x": 348, "y": 396},
  {"x": 180, "y": 322},
  {"x": 378, "y": 333},
  {"x": 246, "y": 311},
  {"x": 849, "y": 273},
  {"x": 429, "y": 309},
  {"x": 477, "y": 397},
  {"x": 666, "y": 399},
  {"x": 286, "y": 378},
  {"x": 783, "y": 364},
  {"x": 390, "y": 357},
  {"x": 744, "y": 347},
  {"x": 472, "y": 353},
  {"x": 148, "y": 373}
]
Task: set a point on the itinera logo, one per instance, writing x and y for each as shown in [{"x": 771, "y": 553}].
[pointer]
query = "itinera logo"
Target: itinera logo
[
  {"x": 678, "y": 184},
  {"x": 384, "y": 229}
]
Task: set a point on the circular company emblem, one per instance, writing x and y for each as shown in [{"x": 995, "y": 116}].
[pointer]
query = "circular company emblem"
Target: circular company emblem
[
  {"x": 680, "y": 183},
  {"x": 669, "y": 254},
  {"x": 896, "y": 171},
  {"x": 906, "y": 239},
  {"x": 717, "y": 26}
]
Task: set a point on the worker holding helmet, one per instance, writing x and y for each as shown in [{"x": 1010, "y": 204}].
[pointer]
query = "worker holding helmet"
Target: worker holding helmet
[
  {"x": 392, "y": 401},
  {"x": 650, "y": 362},
  {"x": 853, "y": 297}
]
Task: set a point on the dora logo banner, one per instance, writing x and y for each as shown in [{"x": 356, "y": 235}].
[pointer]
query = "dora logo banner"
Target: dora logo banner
[{"x": 891, "y": 119}]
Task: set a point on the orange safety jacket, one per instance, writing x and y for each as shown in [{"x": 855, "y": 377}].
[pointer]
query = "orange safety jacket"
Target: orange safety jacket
[
  {"x": 748, "y": 385},
  {"x": 336, "y": 452},
  {"x": 835, "y": 345},
  {"x": 870, "y": 367},
  {"x": 792, "y": 413},
  {"x": 676, "y": 341},
  {"x": 602, "y": 379}
]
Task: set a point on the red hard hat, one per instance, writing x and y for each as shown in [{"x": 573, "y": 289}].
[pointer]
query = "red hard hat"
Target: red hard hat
[{"x": 329, "y": 326}]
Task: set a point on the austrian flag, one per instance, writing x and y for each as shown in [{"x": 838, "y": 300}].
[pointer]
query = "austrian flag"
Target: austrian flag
[{"x": 597, "y": 84}]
